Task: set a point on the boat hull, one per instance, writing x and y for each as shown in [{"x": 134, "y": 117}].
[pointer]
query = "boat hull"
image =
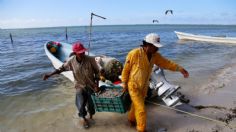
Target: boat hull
[
  {"x": 188, "y": 36},
  {"x": 61, "y": 56},
  {"x": 58, "y": 62}
]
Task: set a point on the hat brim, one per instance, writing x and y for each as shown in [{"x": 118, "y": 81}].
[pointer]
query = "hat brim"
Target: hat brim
[
  {"x": 81, "y": 51},
  {"x": 158, "y": 45}
]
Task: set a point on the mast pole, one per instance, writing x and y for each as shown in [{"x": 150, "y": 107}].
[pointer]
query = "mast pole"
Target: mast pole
[{"x": 90, "y": 28}]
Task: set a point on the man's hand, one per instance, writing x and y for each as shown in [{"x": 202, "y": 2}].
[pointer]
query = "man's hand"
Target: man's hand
[
  {"x": 46, "y": 76},
  {"x": 125, "y": 87},
  {"x": 96, "y": 89},
  {"x": 185, "y": 73}
]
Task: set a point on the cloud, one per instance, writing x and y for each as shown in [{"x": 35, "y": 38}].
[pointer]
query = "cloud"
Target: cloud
[{"x": 33, "y": 22}]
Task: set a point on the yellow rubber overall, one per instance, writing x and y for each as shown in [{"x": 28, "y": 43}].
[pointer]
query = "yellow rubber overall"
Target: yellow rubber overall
[{"x": 136, "y": 74}]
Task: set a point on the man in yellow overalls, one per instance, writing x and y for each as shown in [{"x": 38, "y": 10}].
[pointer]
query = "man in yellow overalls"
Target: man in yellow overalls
[{"x": 136, "y": 74}]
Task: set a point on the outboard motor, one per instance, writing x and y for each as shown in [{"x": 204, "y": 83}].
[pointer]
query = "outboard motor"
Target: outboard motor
[{"x": 166, "y": 91}]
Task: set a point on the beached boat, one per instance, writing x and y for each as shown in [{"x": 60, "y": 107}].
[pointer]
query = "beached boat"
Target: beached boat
[
  {"x": 60, "y": 56},
  {"x": 59, "y": 52},
  {"x": 214, "y": 39}
]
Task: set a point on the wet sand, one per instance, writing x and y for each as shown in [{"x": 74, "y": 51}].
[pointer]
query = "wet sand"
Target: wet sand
[
  {"x": 65, "y": 118},
  {"x": 215, "y": 99}
]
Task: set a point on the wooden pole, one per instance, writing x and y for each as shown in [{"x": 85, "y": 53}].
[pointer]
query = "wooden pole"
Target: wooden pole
[
  {"x": 11, "y": 38},
  {"x": 90, "y": 28},
  {"x": 66, "y": 35}
]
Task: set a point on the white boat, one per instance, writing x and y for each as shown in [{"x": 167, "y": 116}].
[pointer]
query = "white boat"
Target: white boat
[
  {"x": 65, "y": 50},
  {"x": 220, "y": 39},
  {"x": 61, "y": 55}
]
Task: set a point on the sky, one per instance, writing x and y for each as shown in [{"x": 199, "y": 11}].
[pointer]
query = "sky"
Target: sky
[{"x": 52, "y": 13}]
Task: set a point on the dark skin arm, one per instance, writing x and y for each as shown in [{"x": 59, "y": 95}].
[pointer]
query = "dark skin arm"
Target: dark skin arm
[
  {"x": 46, "y": 76},
  {"x": 96, "y": 88},
  {"x": 185, "y": 73}
]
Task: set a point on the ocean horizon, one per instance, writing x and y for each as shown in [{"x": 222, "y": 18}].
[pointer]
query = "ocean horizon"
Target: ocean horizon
[{"x": 94, "y": 25}]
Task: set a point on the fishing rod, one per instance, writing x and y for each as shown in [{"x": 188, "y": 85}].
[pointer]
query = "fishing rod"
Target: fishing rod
[{"x": 90, "y": 28}]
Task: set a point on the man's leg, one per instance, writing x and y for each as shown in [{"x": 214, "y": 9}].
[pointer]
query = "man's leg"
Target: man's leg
[
  {"x": 139, "y": 107},
  {"x": 80, "y": 102},
  {"x": 131, "y": 116},
  {"x": 90, "y": 104},
  {"x": 140, "y": 113}
]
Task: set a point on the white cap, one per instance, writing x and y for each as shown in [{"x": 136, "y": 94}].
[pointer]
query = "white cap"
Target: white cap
[{"x": 154, "y": 39}]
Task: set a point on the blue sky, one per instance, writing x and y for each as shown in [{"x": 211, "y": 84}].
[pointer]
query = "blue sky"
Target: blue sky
[{"x": 51, "y": 13}]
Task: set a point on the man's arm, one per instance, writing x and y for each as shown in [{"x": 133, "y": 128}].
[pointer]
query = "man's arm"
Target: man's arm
[
  {"x": 126, "y": 71},
  {"x": 96, "y": 76},
  {"x": 56, "y": 71},
  {"x": 164, "y": 63},
  {"x": 64, "y": 67}
]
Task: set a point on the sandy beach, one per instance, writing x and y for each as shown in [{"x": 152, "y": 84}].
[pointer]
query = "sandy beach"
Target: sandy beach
[{"x": 216, "y": 102}]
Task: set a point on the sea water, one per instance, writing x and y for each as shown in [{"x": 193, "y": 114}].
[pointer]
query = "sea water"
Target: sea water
[{"x": 25, "y": 97}]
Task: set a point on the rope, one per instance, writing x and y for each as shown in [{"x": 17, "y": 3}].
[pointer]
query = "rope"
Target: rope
[{"x": 194, "y": 115}]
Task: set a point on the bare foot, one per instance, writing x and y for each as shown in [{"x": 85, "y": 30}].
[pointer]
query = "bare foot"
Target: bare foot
[
  {"x": 132, "y": 123},
  {"x": 85, "y": 123}
]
